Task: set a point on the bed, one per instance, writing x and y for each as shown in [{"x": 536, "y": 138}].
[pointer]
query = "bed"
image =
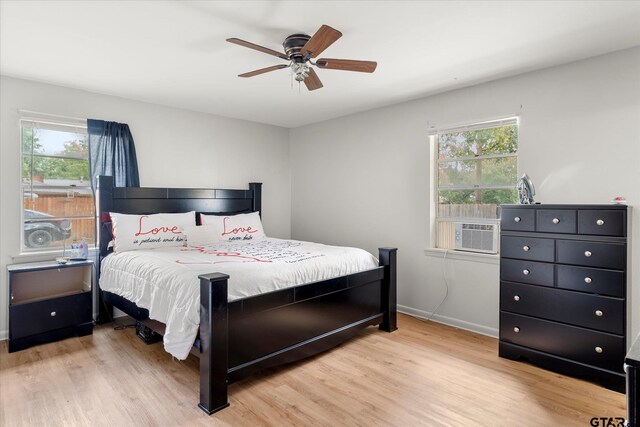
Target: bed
[{"x": 300, "y": 320}]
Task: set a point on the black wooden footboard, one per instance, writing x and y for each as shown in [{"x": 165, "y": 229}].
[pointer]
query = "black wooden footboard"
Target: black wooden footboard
[{"x": 245, "y": 336}]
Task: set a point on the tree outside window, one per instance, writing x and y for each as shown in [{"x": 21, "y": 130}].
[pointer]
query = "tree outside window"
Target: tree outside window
[{"x": 477, "y": 172}]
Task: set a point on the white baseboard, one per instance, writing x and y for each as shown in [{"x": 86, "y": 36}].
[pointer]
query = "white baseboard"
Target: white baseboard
[
  {"x": 4, "y": 335},
  {"x": 461, "y": 324}
]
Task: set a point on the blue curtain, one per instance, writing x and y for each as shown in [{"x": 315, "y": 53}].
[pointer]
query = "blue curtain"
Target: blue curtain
[{"x": 112, "y": 153}]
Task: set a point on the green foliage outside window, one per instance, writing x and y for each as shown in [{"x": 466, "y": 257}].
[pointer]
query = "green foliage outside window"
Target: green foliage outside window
[
  {"x": 70, "y": 163},
  {"x": 472, "y": 162}
]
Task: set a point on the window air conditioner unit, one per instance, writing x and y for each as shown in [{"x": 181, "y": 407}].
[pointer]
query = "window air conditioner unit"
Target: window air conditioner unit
[{"x": 476, "y": 237}]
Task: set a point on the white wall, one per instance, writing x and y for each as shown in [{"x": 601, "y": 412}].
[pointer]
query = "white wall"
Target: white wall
[
  {"x": 175, "y": 148},
  {"x": 363, "y": 180}
]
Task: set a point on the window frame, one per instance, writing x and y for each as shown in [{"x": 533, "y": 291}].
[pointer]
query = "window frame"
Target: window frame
[
  {"x": 52, "y": 123},
  {"x": 434, "y": 134}
]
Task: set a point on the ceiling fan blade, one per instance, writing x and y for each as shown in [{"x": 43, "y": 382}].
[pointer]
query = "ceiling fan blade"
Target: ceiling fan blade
[
  {"x": 263, "y": 70},
  {"x": 322, "y": 39},
  {"x": 347, "y": 65},
  {"x": 258, "y": 48},
  {"x": 312, "y": 81}
]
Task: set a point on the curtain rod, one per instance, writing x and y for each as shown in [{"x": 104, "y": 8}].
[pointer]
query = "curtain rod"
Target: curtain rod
[{"x": 58, "y": 116}]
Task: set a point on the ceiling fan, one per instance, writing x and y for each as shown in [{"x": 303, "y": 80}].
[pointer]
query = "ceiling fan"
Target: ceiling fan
[{"x": 299, "y": 49}]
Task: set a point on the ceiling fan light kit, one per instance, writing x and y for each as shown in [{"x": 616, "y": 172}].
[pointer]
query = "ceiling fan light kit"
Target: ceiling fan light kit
[{"x": 299, "y": 49}]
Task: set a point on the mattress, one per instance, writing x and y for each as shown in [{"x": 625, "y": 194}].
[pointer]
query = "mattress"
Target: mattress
[{"x": 165, "y": 280}]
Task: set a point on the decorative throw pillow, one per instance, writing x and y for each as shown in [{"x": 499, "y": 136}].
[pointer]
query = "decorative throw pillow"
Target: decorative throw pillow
[
  {"x": 201, "y": 235},
  {"x": 231, "y": 228},
  {"x": 131, "y": 232}
]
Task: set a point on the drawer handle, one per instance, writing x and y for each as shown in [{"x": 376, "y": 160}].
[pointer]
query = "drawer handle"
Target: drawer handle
[
  {"x": 517, "y": 219},
  {"x": 526, "y": 248},
  {"x": 525, "y": 272},
  {"x": 516, "y": 298},
  {"x": 599, "y": 350},
  {"x": 53, "y": 314},
  {"x": 516, "y": 329},
  {"x": 599, "y": 313},
  {"x": 587, "y": 279},
  {"x": 600, "y": 222},
  {"x": 555, "y": 220},
  {"x": 587, "y": 253}
]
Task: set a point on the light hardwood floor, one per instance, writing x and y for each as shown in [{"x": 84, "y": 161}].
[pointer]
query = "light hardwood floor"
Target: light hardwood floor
[{"x": 422, "y": 374}]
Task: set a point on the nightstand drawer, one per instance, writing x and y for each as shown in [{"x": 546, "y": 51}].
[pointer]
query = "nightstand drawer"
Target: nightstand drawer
[
  {"x": 594, "y": 348},
  {"x": 529, "y": 248},
  {"x": 48, "y": 315},
  {"x": 594, "y": 280},
  {"x": 556, "y": 221},
  {"x": 590, "y": 311},
  {"x": 592, "y": 254},
  {"x": 601, "y": 222},
  {"x": 536, "y": 273},
  {"x": 518, "y": 219}
]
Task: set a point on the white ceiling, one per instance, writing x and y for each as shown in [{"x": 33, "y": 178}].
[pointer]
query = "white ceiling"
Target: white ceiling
[{"x": 174, "y": 52}]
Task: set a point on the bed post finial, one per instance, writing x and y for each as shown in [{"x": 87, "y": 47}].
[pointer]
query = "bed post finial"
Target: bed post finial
[{"x": 387, "y": 258}]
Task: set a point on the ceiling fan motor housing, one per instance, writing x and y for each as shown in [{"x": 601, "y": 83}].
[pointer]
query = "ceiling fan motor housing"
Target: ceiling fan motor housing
[{"x": 293, "y": 45}]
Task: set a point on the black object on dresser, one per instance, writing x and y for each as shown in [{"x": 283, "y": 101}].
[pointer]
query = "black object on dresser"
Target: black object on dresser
[
  {"x": 632, "y": 367},
  {"x": 49, "y": 301},
  {"x": 563, "y": 289}
]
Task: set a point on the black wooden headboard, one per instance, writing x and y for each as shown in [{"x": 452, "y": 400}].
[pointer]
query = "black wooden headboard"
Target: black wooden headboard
[{"x": 148, "y": 200}]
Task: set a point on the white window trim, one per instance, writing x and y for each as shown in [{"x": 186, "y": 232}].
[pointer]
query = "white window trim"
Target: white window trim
[
  {"x": 432, "y": 133},
  {"x": 68, "y": 123},
  {"x": 462, "y": 255}
]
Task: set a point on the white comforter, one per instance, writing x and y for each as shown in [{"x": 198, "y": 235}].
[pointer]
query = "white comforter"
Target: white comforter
[{"x": 165, "y": 281}]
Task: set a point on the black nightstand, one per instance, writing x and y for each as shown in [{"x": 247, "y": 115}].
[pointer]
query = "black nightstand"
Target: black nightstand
[{"x": 49, "y": 301}]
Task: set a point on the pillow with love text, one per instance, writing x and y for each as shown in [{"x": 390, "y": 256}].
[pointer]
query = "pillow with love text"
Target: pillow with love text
[
  {"x": 230, "y": 228},
  {"x": 132, "y": 232}
]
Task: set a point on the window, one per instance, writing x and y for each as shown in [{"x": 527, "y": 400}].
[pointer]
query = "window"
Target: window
[
  {"x": 58, "y": 205},
  {"x": 476, "y": 171}
]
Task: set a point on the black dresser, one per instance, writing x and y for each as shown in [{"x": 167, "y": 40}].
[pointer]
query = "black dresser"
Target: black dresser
[{"x": 563, "y": 289}]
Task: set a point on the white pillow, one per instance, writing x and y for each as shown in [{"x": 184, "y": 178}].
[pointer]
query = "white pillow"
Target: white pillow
[
  {"x": 235, "y": 227},
  {"x": 201, "y": 235},
  {"x": 131, "y": 232}
]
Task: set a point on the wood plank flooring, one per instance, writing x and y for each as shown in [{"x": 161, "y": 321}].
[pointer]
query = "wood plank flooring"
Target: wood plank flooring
[{"x": 422, "y": 374}]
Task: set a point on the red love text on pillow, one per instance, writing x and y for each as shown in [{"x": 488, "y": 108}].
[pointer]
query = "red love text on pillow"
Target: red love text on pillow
[
  {"x": 175, "y": 229},
  {"x": 236, "y": 230}
]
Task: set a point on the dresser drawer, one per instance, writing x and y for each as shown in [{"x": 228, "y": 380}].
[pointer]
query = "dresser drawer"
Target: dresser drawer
[
  {"x": 556, "y": 221},
  {"x": 537, "y": 273},
  {"x": 594, "y": 280},
  {"x": 518, "y": 219},
  {"x": 592, "y": 254},
  {"x": 530, "y": 248},
  {"x": 583, "y": 345},
  {"x": 602, "y": 222},
  {"x": 43, "y": 316},
  {"x": 590, "y": 311}
]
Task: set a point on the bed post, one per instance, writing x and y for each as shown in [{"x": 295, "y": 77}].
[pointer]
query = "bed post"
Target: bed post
[
  {"x": 105, "y": 204},
  {"x": 213, "y": 342},
  {"x": 256, "y": 205},
  {"x": 389, "y": 300}
]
